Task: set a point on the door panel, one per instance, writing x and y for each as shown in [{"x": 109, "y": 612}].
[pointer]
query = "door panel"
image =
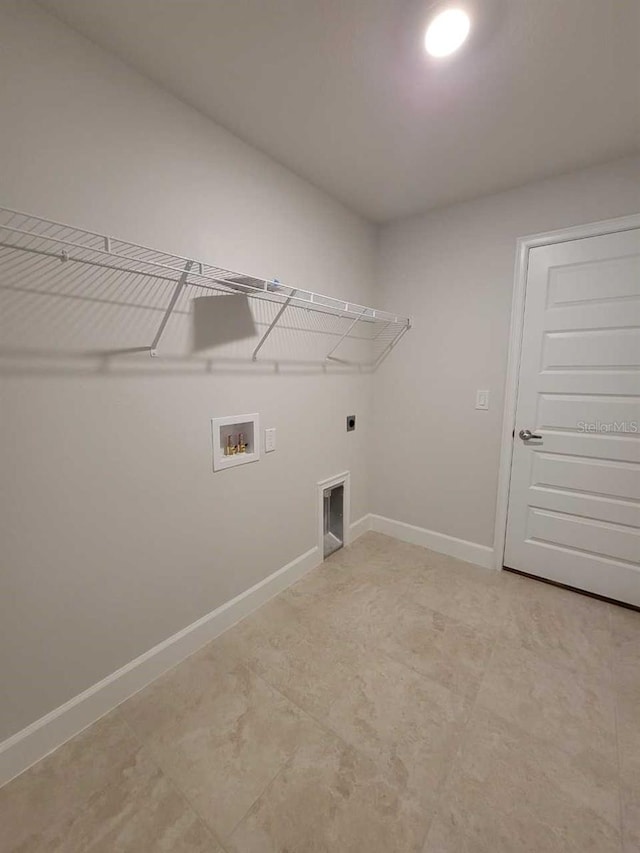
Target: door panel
[
  {"x": 571, "y": 411},
  {"x": 602, "y": 446},
  {"x": 574, "y": 501},
  {"x": 589, "y": 283},
  {"x": 580, "y": 474},
  {"x": 584, "y": 534},
  {"x": 592, "y": 315},
  {"x": 595, "y": 348},
  {"x": 585, "y": 504}
]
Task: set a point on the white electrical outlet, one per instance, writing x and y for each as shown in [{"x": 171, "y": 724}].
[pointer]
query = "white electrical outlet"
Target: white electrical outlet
[
  {"x": 482, "y": 400},
  {"x": 269, "y": 439}
]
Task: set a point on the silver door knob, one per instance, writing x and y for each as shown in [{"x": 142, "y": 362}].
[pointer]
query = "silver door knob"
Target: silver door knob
[{"x": 527, "y": 435}]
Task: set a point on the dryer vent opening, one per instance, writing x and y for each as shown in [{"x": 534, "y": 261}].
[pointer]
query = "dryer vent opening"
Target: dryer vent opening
[{"x": 333, "y": 519}]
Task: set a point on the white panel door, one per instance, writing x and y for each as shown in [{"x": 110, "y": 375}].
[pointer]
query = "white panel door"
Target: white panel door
[{"x": 574, "y": 500}]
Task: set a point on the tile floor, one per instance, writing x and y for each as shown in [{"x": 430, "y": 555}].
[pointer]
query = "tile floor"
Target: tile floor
[{"x": 393, "y": 700}]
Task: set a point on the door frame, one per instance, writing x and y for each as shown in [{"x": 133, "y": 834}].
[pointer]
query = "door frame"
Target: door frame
[{"x": 523, "y": 247}]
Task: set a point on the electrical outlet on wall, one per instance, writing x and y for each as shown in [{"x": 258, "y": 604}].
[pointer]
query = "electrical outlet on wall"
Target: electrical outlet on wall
[{"x": 482, "y": 400}]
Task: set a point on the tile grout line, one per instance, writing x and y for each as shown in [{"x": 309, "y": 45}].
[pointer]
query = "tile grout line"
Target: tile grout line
[
  {"x": 456, "y": 621},
  {"x": 323, "y": 726},
  {"x": 289, "y": 758},
  {"x": 271, "y": 781},
  {"x": 244, "y": 662},
  {"x": 171, "y": 781},
  {"x": 101, "y": 789},
  {"x": 326, "y": 729},
  {"x": 383, "y": 654},
  {"x": 358, "y": 749}
]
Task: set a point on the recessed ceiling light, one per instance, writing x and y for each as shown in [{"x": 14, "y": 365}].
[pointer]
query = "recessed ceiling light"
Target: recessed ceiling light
[{"x": 447, "y": 32}]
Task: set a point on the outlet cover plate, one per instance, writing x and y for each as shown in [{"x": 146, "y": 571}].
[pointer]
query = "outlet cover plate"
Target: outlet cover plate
[
  {"x": 482, "y": 400},
  {"x": 270, "y": 440}
]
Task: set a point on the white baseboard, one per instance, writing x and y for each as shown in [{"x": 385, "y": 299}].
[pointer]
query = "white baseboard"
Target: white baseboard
[
  {"x": 481, "y": 555},
  {"x": 28, "y": 746},
  {"x": 359, "y": 527}
]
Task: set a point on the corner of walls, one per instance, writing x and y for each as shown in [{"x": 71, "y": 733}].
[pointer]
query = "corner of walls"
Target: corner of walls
[
  {"x": 461, "y": 549},
  {"x": 454, "y": 265}
]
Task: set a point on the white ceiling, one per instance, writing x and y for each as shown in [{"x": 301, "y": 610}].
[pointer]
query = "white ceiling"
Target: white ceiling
[{"x": 341, "y": 91}]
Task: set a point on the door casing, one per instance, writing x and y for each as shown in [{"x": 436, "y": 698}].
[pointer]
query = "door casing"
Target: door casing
[{"x": 523, "y": 247}]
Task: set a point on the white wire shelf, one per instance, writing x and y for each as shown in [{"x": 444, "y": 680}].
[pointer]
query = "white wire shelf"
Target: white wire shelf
[{"x": 61, "y": 261}]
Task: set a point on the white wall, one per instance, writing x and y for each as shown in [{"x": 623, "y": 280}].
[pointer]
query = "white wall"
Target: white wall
[
  {"x": 436, "y": 457},
  {"x": 115, "y": 532}
]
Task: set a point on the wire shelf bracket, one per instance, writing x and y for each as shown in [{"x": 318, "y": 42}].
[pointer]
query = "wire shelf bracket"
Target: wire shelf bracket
[
  {"x": 153, "y": 349},
  {"x": 271, "y": 327}
]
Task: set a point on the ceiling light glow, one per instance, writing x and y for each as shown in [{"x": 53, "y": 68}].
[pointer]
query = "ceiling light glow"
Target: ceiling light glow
[{"x": 447, "y": 32}]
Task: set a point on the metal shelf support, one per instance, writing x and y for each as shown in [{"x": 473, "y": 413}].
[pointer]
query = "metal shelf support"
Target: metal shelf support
[
  {"x": 345, "y": 335},
  {"x": 172, "y": 304},
  {"x": 272, "y": 326}
]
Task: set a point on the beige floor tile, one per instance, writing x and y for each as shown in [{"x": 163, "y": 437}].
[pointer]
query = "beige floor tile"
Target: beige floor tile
[
  {"x": 406, "y": 723},
  {"x": 358, "y": 616},
  {"x": 444, "y": 649},
  {"x": 304, "y": 660},
  {"x": 223, "y": 748},
  {"x": 141, "y": 811},
  {"x": 626, "y": 684},
  {"x": 272, "y": 619},
  {"x": 574, "y": 711},
  {"x": 327, "y": 582},
  {"x": 284, "y": 643},
  {"x": 373, "y": 560},
  {"x": 331, "y": 582},
  {"x": 566, "y": 628},
  {"x": 380, "y": 615},
  {"x": 328, "y": 799},
  {"x": 59, "y": 785},
  {"x": 625, "y": 627},
  {"x": 511, "y": 792},
  {"x": 470, "y": 594},
  {"x": 179, "y": 692},
  {"x": 626, "y": 633},
  {"x": 520, "y": 766},
  {"x": 339, "y": 718},
  {"x": 630, "y": 792}
]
